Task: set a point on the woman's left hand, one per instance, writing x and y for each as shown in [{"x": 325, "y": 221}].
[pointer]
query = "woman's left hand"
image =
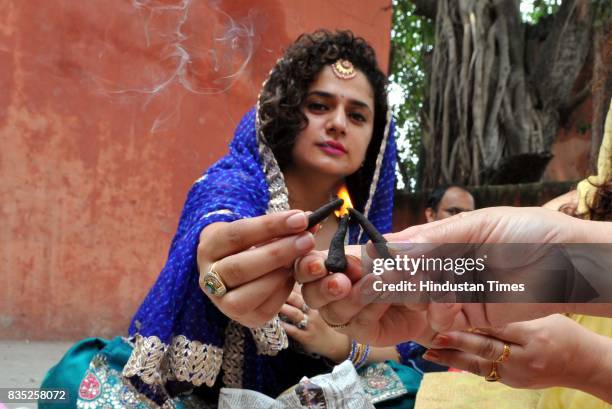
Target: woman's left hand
[
  {"x": 550, "y": 351},
  {"x": 308, "y": 328}
]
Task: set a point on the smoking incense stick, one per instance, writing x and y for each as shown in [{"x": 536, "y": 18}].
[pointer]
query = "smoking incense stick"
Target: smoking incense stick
[
  {"x": 379, "y": 241},
  {"x": 336, "y": 259}
]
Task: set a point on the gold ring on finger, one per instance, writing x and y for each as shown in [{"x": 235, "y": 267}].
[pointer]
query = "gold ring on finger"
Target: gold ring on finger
[
  {"x": 493, "y": 376},
  {"x": 212, "y": 283},
  {"x": 504, "y": 355}
]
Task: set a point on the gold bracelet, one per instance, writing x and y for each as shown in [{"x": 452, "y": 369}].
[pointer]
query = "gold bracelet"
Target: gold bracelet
[
  {"x": 361, "y": 356},
  {"x": 358, "y": 353}
]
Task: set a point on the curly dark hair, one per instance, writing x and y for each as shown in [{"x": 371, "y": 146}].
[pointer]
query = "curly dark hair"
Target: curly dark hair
[{"x": 281, "y": 117}]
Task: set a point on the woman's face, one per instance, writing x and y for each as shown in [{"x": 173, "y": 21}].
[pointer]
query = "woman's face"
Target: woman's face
[{"x": 340, "y": 116}]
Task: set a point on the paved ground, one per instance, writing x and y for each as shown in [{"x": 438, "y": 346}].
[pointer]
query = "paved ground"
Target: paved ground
[{"x": 23, "y": 364}]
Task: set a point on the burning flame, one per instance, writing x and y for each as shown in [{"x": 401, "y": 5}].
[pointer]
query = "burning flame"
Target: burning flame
[{"x": 343, "y": 194}]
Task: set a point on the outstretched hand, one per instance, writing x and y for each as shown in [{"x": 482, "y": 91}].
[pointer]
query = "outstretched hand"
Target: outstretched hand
[
  {"x": 340, "y": 297},
  {"x": 254, "y": 259},
  {"x": 340, "y": 300},
  {"x": 495, "y": 225}
]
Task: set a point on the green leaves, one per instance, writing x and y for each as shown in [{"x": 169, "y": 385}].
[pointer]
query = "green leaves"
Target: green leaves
[
  {"x": 533, "y": 10},
  {"x": 412, "y": 39}
]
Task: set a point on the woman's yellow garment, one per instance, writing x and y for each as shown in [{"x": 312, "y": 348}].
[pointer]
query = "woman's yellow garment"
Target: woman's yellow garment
[{"x": 459, "y": 390}]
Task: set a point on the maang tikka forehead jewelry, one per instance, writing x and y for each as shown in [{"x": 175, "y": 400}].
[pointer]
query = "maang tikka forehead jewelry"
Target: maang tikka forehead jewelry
[{"x": 344, "y": 69}]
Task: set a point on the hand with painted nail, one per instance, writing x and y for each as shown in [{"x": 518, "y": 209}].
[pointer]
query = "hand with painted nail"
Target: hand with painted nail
[
  {"x": 508, "y": 225},
  {"x": 305, "y": 325},
  {"x": 245, "y": 266},
  {"x": 343, "y": 303},
  {"x": 550, "y": 351}
]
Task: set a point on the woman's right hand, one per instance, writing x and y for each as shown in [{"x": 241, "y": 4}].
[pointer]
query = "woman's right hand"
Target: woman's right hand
[{"x": 254, "y": 258}]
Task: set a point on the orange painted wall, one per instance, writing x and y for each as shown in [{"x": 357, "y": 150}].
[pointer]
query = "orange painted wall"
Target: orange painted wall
[{"x": 109, "y": 109}]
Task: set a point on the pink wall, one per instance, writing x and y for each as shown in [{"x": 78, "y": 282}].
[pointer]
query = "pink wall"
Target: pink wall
[{"x": 108, "y": 111}]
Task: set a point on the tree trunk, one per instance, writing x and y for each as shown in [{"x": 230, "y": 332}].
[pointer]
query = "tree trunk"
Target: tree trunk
[
  {"x": 602, "y": 90},
  {"x": 493, "y": 104}
]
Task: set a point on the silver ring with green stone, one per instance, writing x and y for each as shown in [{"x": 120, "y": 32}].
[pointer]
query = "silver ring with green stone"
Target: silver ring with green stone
[{"x": 213, "y": 284}]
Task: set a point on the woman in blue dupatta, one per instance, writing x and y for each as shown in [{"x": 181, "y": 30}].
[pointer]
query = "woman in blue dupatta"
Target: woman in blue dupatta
[{"x": 321, "y": 122}]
